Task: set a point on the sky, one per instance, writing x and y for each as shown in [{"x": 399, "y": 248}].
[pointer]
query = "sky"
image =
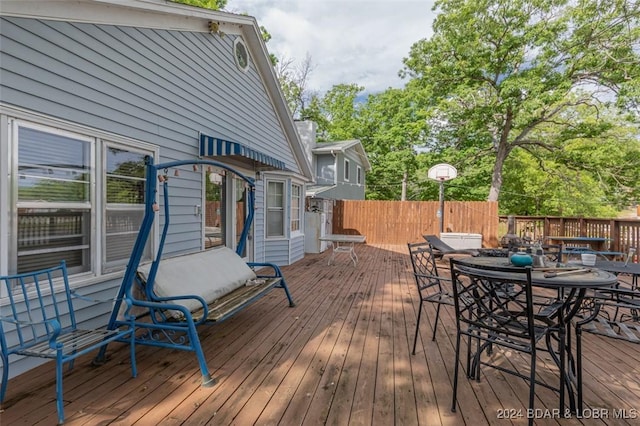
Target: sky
[{"x": 348, "y": 41}]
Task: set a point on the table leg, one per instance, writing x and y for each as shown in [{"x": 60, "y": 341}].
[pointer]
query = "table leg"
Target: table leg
[{"x": 344, "y": 248}]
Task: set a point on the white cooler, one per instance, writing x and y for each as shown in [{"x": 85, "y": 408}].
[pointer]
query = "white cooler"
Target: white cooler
[{"x": 461, "y": 240}]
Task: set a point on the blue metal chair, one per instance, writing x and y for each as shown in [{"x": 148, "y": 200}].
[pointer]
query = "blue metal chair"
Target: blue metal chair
[{"x": 40, "y": 321}]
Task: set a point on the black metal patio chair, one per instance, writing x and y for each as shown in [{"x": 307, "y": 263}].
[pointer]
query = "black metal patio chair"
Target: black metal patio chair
[
  {"x": 613, "y": 313},
  {"x": 494, "y": 307},
  {"x": 432, "y": 287}
]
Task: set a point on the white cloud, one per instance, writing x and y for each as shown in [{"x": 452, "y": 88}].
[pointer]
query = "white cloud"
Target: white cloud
[{"x": 349, "y": 41}]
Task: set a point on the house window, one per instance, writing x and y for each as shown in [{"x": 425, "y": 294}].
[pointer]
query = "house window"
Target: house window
[
  {"x": 359, "y": 175},
  {"x": 296, "y": 209},
  {"x": 55, "y": 204},
  {"x": 215, "y": 212},
  {"x": 58, "y": 213},
  {"x": 346, "y": 170},
  {"x": 124, "y": 184},
  {"x": 275, "y": 209},
  {"x": 241, "y": 55}
]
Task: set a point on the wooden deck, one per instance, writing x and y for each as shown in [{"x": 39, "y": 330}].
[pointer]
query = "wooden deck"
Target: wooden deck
[{"x": 341, "y": 357}]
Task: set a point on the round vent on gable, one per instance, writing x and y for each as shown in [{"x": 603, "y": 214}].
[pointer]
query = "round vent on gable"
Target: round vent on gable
[{"x": 241, "y": 54}]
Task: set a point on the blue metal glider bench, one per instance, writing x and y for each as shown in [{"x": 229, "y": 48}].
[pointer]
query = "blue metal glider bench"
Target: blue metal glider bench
[
  {"x": 39, "y": 321},
  {"x": 178, "y": 294}
]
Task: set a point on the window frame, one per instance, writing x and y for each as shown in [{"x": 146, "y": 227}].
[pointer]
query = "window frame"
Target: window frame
[
  {"x": 282, "y": 209},
  {"x": 239, "y": 43},
  {"x": 16, "y": 204},
  {"x": 296, "y": 206},
  {"x": 346, "y": 170},
  {"x": 359, "y": 175},
  {"x": 117, "y": 265},
  {"x": 98, "y": 267}
]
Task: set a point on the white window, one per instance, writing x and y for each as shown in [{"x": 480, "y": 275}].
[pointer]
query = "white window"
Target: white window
[
  {"x": 59, "y": 215},
  {"x": 296, "y": 207},
  {"x": 124, "y": 184},
  {"x": 54, "y": 204},
  {"x": 346, "y": 170},
  {"x": 359, "y": 175},
  {"x": 275, "y": 209},
  {"x": 240, "y": 54}
]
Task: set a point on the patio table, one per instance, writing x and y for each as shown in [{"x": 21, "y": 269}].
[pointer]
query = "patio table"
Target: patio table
[
  {"x": 342, "y": 243},
  {"x": 579, "y": 245},
  {"x": 624, "y": 268},
  {"x": 574, "y": 287}
]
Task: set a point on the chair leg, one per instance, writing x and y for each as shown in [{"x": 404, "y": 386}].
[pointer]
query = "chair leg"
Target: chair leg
[
  {"x": 5, "y": 376},
  {"x": 563, "y": 367},
  {"x": 579, "y": 367},
  {"x": 455, "y": 374},
  {"x": 59, "y": 400},
  {"x": 435, "y": 324},
  {"x": 415, "y": 337},
  {"x": 532, "y": 386}
]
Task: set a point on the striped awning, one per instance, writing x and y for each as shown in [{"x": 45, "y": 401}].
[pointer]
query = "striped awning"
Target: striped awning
[{"x": 210, "y": 146}]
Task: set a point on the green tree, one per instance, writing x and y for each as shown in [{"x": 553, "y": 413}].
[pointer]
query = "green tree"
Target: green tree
[
  {"x": 390, "y": 129},
  {"x": 525, "y": 74},
  {"x": 207, "y": 4}
]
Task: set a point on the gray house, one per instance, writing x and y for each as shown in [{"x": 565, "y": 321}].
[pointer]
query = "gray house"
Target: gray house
[
  {"x": 88, "y": 89},
  {"x": 339, "y": 167}
]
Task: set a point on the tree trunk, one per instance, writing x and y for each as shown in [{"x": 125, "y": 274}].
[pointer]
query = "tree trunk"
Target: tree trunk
[{"x": 496, "y": 178}]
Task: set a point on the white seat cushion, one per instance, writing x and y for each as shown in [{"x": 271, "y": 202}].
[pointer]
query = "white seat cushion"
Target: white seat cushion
[{"x": 209, "y": 274}]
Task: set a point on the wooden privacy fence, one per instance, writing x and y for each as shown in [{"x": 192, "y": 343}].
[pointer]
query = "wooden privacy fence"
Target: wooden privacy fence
[{"x": 399, "y": 222}]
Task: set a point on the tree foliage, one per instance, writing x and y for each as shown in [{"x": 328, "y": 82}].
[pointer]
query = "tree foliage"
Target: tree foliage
[
  {"x": 207, "y": 4},
  {"x": 525, "y": 74}
]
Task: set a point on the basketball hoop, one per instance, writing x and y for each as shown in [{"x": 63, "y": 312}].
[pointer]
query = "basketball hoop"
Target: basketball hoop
[{"x": 442, "y": 172}]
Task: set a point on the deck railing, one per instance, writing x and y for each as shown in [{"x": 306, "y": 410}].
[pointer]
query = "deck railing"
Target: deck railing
[{"x": 621, "y": 234}]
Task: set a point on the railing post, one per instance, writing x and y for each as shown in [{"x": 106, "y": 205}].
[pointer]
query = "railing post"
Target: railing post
[{"x": 614, "y": 235}]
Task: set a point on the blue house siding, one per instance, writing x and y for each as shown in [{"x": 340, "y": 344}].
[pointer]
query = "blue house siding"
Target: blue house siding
[
  {"x": 297, "y": 248},
  {"x": 155, "y": 86},
  {"x": 141, "y": 83}
]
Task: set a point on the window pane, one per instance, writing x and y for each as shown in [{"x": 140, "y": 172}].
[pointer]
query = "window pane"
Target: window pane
[
  {"x": 214, "y": 213},
  {"x": 295, "y": 207},
  {"x": 275, "y": 194},
  {"x": 122, "y": 227},
  {"x": 47, "y": 236},
  {"x": 275, "y": 209},
  {"x": 275, "y": 223},
  {"x": 125, "y": 176},
  {"x": 125, "y": 184},
  {"x": 241, "y": 201},
  {"x": 52, "y": 167}
]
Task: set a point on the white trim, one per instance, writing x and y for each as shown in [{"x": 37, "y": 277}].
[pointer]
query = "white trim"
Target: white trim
[
  {"x": 12, "y": 118},
  {"x": 301, "y": 196},
  {"x": 5, "y": 171},
  {"x": 346, "y": 172},
  {"x": 240, "y": 42},
  {"x": 156, "y": 14},
  {"x": 286, "y": 230}
]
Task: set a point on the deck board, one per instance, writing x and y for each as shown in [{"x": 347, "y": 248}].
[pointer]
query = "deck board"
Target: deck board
[{"x": 341, "y": 356}]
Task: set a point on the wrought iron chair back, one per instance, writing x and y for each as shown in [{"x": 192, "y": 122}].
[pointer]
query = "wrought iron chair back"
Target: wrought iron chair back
[
  {"x": 612, "y": 313},
  {"x": 432, "y": 287},
  {"x": 495, "y": 306},
  {"x": 39, "y": 320}
]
